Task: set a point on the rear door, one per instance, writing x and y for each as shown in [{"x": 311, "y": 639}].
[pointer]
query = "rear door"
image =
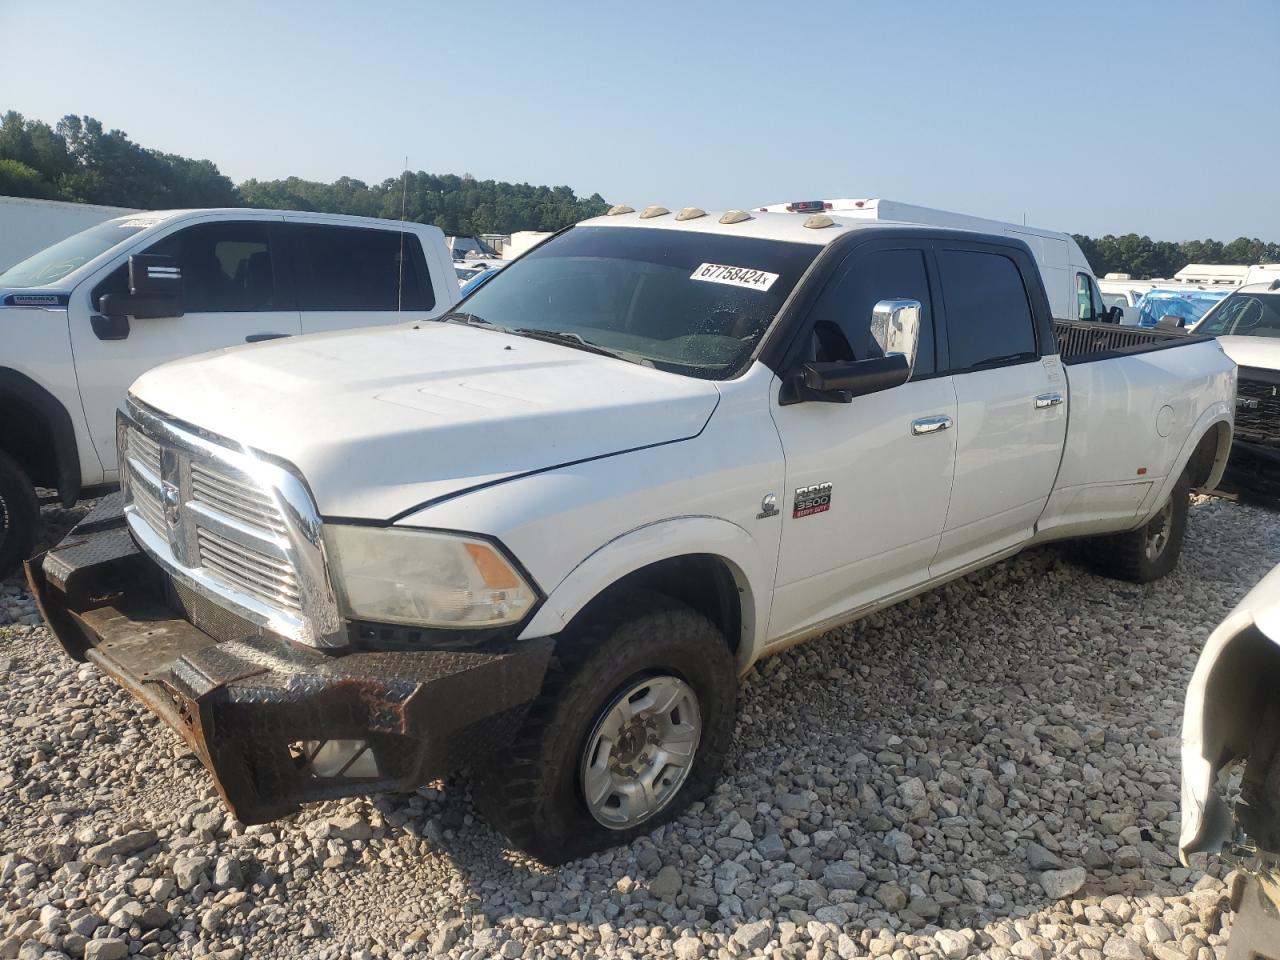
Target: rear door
[
  {"x": 236, "y": 289},
  {"x": 1011, "y": 400},
  {"x": 357, "y": 276},
  {"x": 867, "y": 482}
]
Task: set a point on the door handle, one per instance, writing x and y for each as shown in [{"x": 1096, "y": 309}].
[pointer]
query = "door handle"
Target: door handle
[
  {"x": 1048, "y": 400},
  {"x": 259, "y": 337},
  {"x": 930, "y": 425}
]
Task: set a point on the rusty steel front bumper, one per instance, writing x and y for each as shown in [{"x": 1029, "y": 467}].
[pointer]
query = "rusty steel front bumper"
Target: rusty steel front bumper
[{"x": 259, "y": 710}]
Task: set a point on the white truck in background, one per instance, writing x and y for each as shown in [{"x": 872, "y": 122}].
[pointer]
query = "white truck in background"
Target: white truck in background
[
  {"x": 28, "y": 225},
  {"x": 82, "y": 319},
  {"x": 1068, "y": 279}
]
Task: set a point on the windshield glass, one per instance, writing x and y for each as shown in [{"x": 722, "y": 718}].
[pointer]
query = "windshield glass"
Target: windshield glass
[
  {"x": 53, "y": 263},
  {"x": 692, "y": 303},
  {"x": 1244, "y": 315},
  {"x": 1190, "y": 305}
]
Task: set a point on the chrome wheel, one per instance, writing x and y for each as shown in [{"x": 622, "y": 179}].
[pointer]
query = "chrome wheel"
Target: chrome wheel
[
  {"x": 640, "y": 751},
  {"x": 1159, "y": 530}
]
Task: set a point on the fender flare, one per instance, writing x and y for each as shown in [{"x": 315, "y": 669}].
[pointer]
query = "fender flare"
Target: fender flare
[
  {"x": 1220, "y": 412},
  {"x": 666, "y": 540},
  {"x": 17, "y": 389}
]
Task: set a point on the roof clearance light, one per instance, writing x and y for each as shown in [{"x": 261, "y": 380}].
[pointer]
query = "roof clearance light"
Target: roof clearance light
[
  {"x": 735, "y": 216},
  {"x": 650, "y": 212},
  {"x": 818, "y": 221},
  {"x": 620, "y": 208},
  {"x": 808, "y": 206},
  {"x": 691, "y": 213}
]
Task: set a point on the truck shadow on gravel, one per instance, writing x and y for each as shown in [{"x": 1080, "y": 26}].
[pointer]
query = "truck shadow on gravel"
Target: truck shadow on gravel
[{"x": 971, "y": 755}]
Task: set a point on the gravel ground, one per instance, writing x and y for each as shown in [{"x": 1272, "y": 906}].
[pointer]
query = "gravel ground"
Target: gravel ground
[{"x": 988, "y": 770}]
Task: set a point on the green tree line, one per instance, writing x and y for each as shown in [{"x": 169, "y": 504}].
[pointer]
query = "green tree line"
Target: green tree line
[
  {"x": 78, "y": 159},
  {"x": 1144, "y": 258}
]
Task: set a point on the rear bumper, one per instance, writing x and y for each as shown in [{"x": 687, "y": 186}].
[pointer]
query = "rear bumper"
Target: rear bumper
[{"x": 257, "y": 708}]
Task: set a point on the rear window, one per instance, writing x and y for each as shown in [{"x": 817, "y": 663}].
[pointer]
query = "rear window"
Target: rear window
[
  {"x": 989, "y": 319},
  {"x": 355, "y": 269}
]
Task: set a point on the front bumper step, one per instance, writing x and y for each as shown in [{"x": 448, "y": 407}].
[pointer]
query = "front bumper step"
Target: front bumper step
[{"x": 267, "y": 717}]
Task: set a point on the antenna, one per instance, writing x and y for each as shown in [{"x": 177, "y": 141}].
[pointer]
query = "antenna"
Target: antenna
[{"x": 404, "y": 189}]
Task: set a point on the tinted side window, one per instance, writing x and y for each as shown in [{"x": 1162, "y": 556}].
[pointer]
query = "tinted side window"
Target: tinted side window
[
  {"x": 226, "y": 268},
  {"x": 842, "y": 314},
  {"x": 350, "y": 268},
  {"x": 988, "y": 314}
]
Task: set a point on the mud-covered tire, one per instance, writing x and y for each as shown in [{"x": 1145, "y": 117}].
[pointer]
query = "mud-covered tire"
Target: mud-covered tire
[
  {"x": 1151, "y": 551},
  {"x": 533, "y": 790},
  {"x": 19, "y": 515}
]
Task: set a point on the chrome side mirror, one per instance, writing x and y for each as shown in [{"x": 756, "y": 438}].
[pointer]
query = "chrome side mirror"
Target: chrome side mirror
[{"x": 895, "y": 325}]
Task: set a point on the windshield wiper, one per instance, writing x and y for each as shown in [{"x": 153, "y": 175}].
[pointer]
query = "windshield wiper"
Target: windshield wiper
[
  {"x": 470, "y": 319},
  {"x": 571, "y": 340}
]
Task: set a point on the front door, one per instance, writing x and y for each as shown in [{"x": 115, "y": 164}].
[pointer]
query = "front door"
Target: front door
[
  {"x": 235, "y": 289},
  {"x": 867, "y": 482}
]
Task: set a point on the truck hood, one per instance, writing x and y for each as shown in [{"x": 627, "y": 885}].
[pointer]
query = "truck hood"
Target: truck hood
[
  {"x": 1262, "y": 352},
  {"x": 381, "y": 420},
  {"x": 1221, "y": 714}
]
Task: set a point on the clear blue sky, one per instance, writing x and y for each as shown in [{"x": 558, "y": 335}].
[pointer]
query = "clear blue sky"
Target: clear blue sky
[{"x": 1159, "y": 117}]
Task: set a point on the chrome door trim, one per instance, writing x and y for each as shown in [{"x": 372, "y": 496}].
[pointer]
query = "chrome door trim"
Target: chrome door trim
[{"x": 1048, "y": 400}]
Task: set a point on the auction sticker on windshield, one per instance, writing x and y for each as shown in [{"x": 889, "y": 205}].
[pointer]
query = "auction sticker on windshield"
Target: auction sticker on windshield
[{"x": 734, "y": 276}]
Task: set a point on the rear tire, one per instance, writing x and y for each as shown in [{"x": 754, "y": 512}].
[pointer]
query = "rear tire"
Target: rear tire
[
  {"x": 19, "y": 515},
  {"x": 1151, "y": 551},
  {"x": 625, "y": 660}
]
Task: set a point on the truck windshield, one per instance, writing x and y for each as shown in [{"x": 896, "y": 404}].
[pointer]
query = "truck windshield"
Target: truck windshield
[
  {"x": 53, "y": 263},
  {"x": 1244, "y": 315},
  {"x": 689, "y": 302}
]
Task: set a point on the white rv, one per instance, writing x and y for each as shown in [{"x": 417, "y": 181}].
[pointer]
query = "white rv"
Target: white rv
[{"x": 1068, "y": 278}]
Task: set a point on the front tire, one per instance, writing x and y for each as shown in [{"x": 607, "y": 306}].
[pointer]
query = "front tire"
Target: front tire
[
  {"x": 1151, "y": 551},
  {"x": 19, "y": 515},
  {"x": 632, "y": 725}
]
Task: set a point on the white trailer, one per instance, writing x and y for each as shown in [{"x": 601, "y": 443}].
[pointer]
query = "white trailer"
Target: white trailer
[{"x": 28, "y": 226}]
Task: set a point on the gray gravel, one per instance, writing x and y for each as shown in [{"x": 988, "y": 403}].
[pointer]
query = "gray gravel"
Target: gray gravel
[{"x": 988, "y": 770}]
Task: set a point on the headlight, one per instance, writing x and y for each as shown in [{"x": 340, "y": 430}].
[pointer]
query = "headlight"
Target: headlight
[{"x": 424, "y": 578}]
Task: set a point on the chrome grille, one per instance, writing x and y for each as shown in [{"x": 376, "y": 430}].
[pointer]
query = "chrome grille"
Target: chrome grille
[
  {"x": 235, "y": 495},
  {"x": 145, "y": 450},
  {"x": 238, "y": 530},
  {"x": 249, "y": 570},
  {"x": 148, "y": 504}
]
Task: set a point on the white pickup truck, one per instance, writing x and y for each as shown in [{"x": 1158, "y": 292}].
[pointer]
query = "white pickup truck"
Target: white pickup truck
[
  {"x": 81, "y": 319},
  {"x": 545, "y": 534}
]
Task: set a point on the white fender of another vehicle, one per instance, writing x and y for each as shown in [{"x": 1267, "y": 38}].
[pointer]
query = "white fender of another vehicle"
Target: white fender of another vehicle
[
  {"x": 1220, "y": 411},
  {"x": 663, "y": 540}
]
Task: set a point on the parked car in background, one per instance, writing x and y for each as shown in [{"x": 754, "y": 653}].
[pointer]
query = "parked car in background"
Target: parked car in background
[
  {"x": 468, "y": 269},
  {"x": 1231, "y": 722},
  {"x": 1068, "y": 279},
  {"x": 82, "y": 319},
  {"x": 546, "y": 534},
  {"x": 1121, "y": 290},
  {"x": 1247, "y": 324},
  {"x": 1177, "y": 307}
]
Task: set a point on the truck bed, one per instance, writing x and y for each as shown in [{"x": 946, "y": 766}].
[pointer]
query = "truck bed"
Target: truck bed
[{"x": 1080, "y": 341}]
